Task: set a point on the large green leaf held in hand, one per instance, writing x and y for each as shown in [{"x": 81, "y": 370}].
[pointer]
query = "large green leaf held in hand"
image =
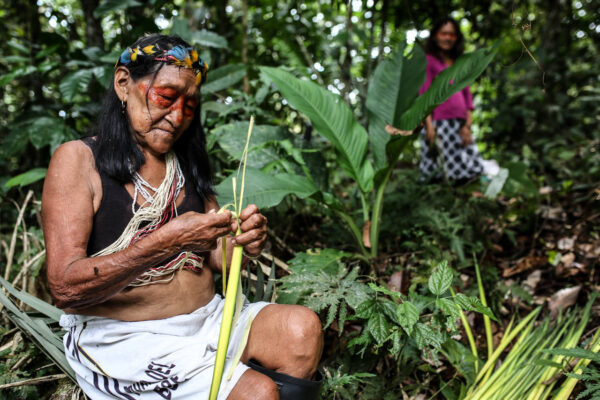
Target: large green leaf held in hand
[
  {"x": 332, "y": 118},
  {"x": 393, "y": 88},
  {"x": 451, "y": 80},
  {"x": 266, "y": 190}
]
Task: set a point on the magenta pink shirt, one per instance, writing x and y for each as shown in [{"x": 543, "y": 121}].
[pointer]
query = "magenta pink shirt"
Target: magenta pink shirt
[{"x": 458, "y": 104}]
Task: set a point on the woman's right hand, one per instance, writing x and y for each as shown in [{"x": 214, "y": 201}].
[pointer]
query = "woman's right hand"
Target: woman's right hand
[
  {"x": 198, "y": 232},
  {"x": 430, "y": 135}
]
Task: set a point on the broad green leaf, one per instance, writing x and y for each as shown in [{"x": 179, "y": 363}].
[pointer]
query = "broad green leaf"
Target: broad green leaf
[
  {"x": 384, "y": 290},
  {"x": 75, "y": 83},
  {"x": 408, "y": 315},
  {"x": 449, "y": 308},
  {"x": 496, "y": 184},
  {"x": 16, "y": 73},
  {"x": 208, "y": 39},
  {"x": 451, "y": 80},
  {"x": 224, "y": 77},
  {"x": 441, "y": 279},
  {"x": 389, "y": 308},
  {"x": 232, "y": 139},
  {"x": 26, "y": 178},
  {"x": 104, "y": 74},
  {"x": 366, "y": 309},
  {"x": 108, "y": 6},
  {"x": 266, "y": 190},
  {"x": 332, "y": 118},
  {"x": 393, "y": 88},
  {"x": 473, "y": 304},
  {"x": 317, "y": 260},
  {"x": 424, "y": 336},
  {"x": 396, "y": 342},
  {"x": 181, "y": 27},
  {"x": 378, "y": 327}
]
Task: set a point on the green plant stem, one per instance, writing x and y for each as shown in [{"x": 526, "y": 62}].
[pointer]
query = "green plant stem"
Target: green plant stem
[
  {"x": 377, "y": 211},
  {"x": 365, "y": 206},
  {"x": 355, "y": 231},
  {"x": 486, "y": 320}
]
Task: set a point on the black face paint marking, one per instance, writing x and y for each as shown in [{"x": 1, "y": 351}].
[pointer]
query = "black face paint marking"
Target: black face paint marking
[{"x": 96, "y": 271}]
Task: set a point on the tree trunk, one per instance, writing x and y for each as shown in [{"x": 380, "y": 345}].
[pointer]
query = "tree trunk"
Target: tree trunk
[
  {"x": 33, "y": 29},
  {"x": 94, "y": 36},
  {"x": 245, "y": 44},
  {"x": 347, "y": 63},
  {"x": 384, "y": 17}
]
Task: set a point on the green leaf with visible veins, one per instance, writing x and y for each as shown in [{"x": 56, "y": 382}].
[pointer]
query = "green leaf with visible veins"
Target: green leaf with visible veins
[
  {"x": 424, "y": 335},
  {"x": 333, "y": 119},
  {"x": 473, "y": 304},
  {"x": 408, "y": 315},
  {"x": 378, "y": 327},
  {"x": 449, "y": 308},
  {"x": 441, "y": 279}
]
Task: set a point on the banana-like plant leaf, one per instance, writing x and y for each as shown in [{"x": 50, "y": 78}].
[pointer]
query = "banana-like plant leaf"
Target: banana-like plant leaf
[
  {"x": 232, "y": 139},
  {"x": 224, "y": 77},
  {"x": 75, "y": 83},
  {"x": 114, "y": 5},
  {"x": 394, "y": 87},
  {"x": 26, "y": 178},
  {"x": 332, "y": 118},
  {"x": 206, "y": 38},
  {"x": 266, "y": 190},
  {"x": 451, "y": 80}
]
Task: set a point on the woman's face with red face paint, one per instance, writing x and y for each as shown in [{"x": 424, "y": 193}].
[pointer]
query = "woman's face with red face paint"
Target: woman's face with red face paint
[{"x": 160, "y": 111}]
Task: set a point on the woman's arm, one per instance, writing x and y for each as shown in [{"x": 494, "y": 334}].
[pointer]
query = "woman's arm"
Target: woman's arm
[
  {"x": 429, "y": 129},
  {"x": 76, "y": 280}
]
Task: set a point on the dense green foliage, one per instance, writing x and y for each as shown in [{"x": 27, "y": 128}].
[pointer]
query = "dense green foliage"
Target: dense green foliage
[{"x": 386, "y": 261}]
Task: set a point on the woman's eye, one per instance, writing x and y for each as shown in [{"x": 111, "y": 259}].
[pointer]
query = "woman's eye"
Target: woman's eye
[{"x": 166, "y": 97}]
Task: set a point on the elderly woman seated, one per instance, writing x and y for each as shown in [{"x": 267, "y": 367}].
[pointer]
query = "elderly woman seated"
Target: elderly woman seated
[{"x": 131, "y": 234}]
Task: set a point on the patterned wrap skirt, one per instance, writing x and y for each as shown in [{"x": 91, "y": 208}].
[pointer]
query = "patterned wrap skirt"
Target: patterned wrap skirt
[
  {"x": 447, "y": 156},
  {"x": 170, "y": 358}
]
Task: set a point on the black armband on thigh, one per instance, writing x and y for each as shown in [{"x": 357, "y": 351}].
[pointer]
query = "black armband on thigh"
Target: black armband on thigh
[{"x": 291, "y": 388}]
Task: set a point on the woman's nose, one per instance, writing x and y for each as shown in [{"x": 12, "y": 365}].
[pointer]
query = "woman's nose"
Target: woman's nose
[{"x": 175, "y": 116}]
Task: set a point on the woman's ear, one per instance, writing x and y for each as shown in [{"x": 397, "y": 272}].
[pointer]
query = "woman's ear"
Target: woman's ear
[{"x": 121, "y": 81}]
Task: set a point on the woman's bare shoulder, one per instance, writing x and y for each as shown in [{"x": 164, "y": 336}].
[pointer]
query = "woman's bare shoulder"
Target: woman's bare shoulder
[
  {"x": 74, "y": 151},
  {"x": 72, "y": 167}
]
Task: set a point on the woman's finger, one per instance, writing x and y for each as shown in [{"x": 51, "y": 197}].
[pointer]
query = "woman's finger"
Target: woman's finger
[{"x": 248, "y": 211}]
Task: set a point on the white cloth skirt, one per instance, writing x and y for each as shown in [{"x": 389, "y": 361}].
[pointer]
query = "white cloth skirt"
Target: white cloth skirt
[{"x": 171, "y": 358}]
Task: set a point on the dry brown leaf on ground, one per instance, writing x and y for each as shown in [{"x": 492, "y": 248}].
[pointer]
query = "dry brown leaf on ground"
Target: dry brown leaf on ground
[
  {"x": 523, "y": 264},
  {"x": 563, "y": 298},
  {"x": 533, "y": 279},
  {"x": 566, "y": 243}
]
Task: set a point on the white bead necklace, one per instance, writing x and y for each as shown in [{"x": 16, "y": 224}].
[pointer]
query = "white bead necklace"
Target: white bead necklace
[{"x": 140, "y": 186}]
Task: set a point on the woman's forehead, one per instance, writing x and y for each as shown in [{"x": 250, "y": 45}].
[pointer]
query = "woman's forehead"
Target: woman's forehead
[
  {"x": 448, "y": 26},
  {"x": 181, "y": 79}
]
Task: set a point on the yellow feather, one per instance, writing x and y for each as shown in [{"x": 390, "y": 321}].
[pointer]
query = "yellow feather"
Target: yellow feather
[{"x": 149, "y": 49}]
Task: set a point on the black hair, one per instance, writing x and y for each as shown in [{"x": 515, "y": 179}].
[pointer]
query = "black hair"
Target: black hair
[
  {"x": 431, "y": 46},
  {"x": 116, "y": 151}
]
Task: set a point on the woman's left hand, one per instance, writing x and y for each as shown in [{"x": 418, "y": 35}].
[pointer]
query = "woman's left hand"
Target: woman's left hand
[
  {"x": 254, "y": 231},
  {"x": 466, "y": 136}
]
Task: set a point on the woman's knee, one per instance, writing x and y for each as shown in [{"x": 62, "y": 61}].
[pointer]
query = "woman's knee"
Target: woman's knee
[
  {"x": 254, "y": 386},
  {"x": 305, "y": 333}
]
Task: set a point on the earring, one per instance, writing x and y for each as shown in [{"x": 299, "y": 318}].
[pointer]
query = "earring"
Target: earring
[{"x": 123, "y": 107}]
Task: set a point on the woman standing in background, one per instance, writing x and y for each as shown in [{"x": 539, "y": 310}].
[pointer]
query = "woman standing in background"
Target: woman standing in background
[{"x": 446, "y": 142}]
